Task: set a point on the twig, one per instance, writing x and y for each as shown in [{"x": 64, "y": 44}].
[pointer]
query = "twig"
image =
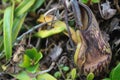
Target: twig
[
  {"x": 47, "y": 70},
  {"x": 117, "y": 5},
  {"x": 66, "y": 21},
  {"x": 77, "y": 13},
  {"x": 55, "y": 8},
  {"x": 29, "y": 40},
  {"x": 38, "y": 42},
  {"x": 61, "y": 72},
  {"x": 48, "y": 5}
]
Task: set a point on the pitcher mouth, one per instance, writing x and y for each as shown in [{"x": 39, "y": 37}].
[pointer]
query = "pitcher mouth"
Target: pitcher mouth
[{"x": 99, "y": 65}]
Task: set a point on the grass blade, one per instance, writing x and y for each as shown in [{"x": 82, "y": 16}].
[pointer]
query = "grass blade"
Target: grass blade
[
  {"x": 18, "y": 21},
  {"x": 37, "y": 4},
  {"x": 7, "y": 27},
  {"x": 24, "y": 7}
]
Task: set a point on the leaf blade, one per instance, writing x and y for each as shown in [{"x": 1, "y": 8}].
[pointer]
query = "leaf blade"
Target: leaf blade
[
  {"x": 18, "y": 21},
  {"x": 45, "y": 76},
  {"x": 7, "y": 27},
  {"x": 37, "y": 4},
  {"x": 23, "y": 7},
  {"x": 115, "y": 74}
]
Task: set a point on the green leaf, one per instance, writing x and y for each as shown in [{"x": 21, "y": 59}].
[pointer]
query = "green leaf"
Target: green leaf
[
  {"x": 106, "y": 79},
  {"x": 26, "y": 62},
  {"x": 65, "y": 68},
  {"x": 7, "y": 31},
  {"x": 32, "y": 68},
  {"x": 23, "y": 7},
  {"x": 1, "y": 22},
  {"x": 37, "y": 4},
  {"x": 1, "y": 39},
  {"x": 28, "y": 66},
  {"x": 34, "y": 79},
  {"x": 115, "y": 74},
  {"x": 1, "y": 46},
  {"x": 22, "y": 76},
  {"x": 73, "y": 73},
  {"x": 84, "y": 1},
  {"x": 57, "y": 74},
  {"x": 47, "y": 33},
  {"x": 45, "y": 76},
  {"x": 31, "y": 59},
  {"x": 18, "y": 1},
  {"x": 61, "y": 66},
  {"x": 18, "y": 21},
  {"x": 95, "y": 1},
  {"x": 5, "y": 1},
  {"x": 33, "y": 55},
  {"x": 90, "y": 76}
]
